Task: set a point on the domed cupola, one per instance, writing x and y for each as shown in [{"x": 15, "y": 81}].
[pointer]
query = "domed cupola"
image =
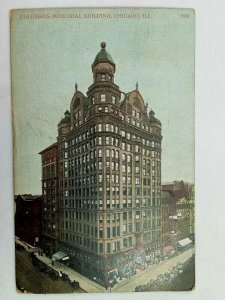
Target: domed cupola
[
  {"x": 66, "y": 118},
  {"x": 153, "y": 119},
  {"x": 103, "y": 67}
]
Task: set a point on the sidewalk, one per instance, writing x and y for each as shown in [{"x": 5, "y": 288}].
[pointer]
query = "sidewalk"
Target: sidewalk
[
  {"x": 85, "y": 283},
  {"x": 28, "y": 247},
  {"x": 124, "y": 285}
]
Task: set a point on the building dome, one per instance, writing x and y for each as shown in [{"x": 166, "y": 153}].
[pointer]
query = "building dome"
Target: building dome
[
  {"x": 103, "y": 56},
  {"x": 66, "y": 118},
  {"x": 153, "y": 119}
]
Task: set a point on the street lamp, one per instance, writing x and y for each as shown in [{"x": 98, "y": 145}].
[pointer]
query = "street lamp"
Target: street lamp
[{"x": 110, "y": 285}]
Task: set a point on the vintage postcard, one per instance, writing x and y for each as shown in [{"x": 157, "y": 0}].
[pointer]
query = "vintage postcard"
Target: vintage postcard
[{"x": 103, "y": 116}]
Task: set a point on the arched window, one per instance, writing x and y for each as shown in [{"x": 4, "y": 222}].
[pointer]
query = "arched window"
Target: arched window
[
  {"x": 122, "y": 133},
  {"x": 103, "y": 77}
]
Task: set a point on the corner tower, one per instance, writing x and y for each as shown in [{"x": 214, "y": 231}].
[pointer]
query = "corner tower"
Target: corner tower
[
  {"x": 103, "y": 92},
  {"x": 103, "y": 67}
]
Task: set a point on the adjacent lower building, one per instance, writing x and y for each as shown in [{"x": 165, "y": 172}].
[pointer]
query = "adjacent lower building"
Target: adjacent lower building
[
  {"x": 192, "y": 212},
  {"x": 50, "y": 215},
  {"x": 108, "y": 180},
  {"x": 28, "y": 219},
  {"x": 177, "y": 212},
  {"x": 169, "y": 224}
]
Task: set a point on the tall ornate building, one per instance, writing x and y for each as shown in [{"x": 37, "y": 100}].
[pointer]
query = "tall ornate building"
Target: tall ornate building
[{"x": 109, "y": 152}]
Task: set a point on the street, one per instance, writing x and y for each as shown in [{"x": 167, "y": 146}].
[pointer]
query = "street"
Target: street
[
  {"x": 34, "y": 281},
  {"x": 86, "y": 284},
  {"x": 142, "y": 277},
  {"x": 124, "y": 285}
]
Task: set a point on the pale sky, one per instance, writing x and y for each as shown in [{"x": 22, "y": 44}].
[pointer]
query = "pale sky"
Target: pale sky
[{"x": 49, "y": 55}]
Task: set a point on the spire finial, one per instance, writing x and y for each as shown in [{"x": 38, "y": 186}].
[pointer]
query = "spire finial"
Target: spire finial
[
  {"x": 136, "y": 86},
  {"x": 103, "y": 45},
  {"x": 76, "y": 86}
]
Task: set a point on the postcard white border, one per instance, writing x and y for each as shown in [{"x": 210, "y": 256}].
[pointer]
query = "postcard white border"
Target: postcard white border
[{"x": 210, "y": 145}]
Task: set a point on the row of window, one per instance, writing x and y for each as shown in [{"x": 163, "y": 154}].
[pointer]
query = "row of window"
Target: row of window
[
  {"x": 115, "y": 111},
  {"x": 103, "y": 98},
  {"x": 111, "y": 247},
  {"x": 125, "y": 216},
  {"x": 46, "y": 161},
  {"x": 106, "y": 109},
  {"x": 108, "y": 128},
  {"x": 49, "y": 183},
  {"x": 110, "y": 191},
  {"x": 109, "y": 153},
  {"x": 77, "y": 114},
  {"x": 110, "y": 203},
  {"x": 50, "y": 198},
  {"x": 109, "y": 141},
  {"x": 48, "y": 171},
  {"x": 111, "y": 232},
  {"x": 51, "y": 208},
  {"x": 100, "y": 128},
  {"x": 105, "y": 77},
  {"x": 80, "y": 161},
  {"x": 83, "y": 176}
]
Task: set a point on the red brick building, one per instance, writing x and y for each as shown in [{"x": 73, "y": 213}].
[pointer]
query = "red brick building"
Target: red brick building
[
  {"x": 49, "y": 157},
  {"x": 168, "y": 213},
  {"x": 177, "y": 211}
]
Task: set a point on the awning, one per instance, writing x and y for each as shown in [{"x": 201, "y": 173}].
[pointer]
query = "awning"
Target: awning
[
  {"x": 60, "y": 255},
  {"x": 184, "y": 242},
  {"x": 168, "y": 249},
  {"x": 113, "y": 273}
]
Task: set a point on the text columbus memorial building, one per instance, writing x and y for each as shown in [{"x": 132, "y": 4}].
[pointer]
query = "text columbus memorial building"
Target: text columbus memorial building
[{"x": 101, "y": 180}]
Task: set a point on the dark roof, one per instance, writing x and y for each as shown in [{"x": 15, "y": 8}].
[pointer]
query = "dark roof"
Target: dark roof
[
  {"x": 48, "y": 148},
  {"x": 28, "y": 197},
  {"x": 153, "y": 119},
  {"x": 103, "y": 56},
  {"x": 66, "y": 118}
]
